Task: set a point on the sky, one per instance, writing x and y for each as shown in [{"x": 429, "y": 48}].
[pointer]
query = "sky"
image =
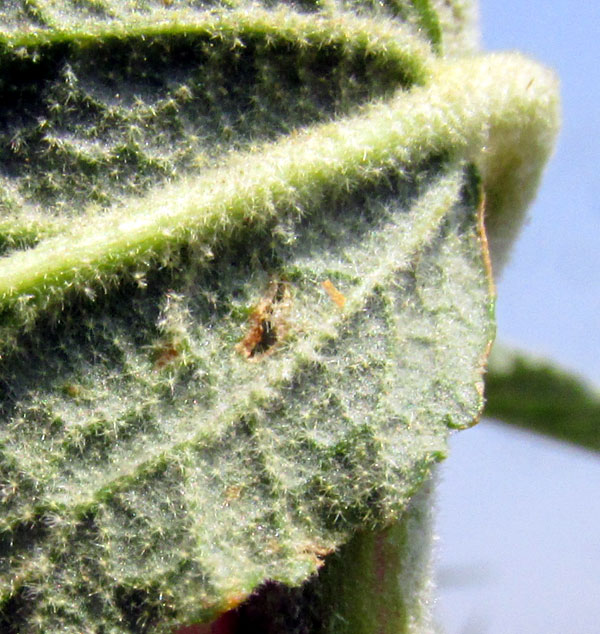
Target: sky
[
  {"x": 549, "y": 295},
  {"x": 519, "y": 515}
]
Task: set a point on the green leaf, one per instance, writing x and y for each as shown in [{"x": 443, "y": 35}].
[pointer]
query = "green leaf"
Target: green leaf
[
  {"x": 147, "y": 456},
  {"x": 245, "y": 292},
  {"x": 537, "y": 395},
  {"x": 429, "y": 22},
  {"x": 380, "y": 581}
]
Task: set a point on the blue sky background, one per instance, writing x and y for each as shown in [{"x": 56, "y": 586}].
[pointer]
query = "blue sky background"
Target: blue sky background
[{"x": 519, "y": 515}]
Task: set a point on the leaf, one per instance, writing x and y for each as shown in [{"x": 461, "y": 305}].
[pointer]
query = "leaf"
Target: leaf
[
  {"x": 245, "y": 291},
  {"x": 145, "y": 457},
  {"x": 537, "y": 395}
]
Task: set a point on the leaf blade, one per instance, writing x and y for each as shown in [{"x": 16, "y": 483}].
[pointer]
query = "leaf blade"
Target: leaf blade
[
  {"x": 296, "y": 464},
  {"x": 537, "y": 395}
]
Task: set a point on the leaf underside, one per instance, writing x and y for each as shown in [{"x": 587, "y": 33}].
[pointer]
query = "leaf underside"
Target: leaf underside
[
  {"x": 219, "y": 412},
  {"x": 146, "y": 454}
]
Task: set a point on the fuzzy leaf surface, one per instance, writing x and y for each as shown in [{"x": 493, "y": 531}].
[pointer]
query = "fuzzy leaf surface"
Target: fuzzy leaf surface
[
  {"x": 150, "y": 460},
  {"x": 244, "y": 289}
]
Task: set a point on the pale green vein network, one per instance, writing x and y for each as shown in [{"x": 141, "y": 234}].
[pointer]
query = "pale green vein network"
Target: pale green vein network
[
  {"x": 381, "y": 35},
  {"x": 72, "y": 490},
  {"x": 387, "y": 47},
  {"x": 149, "y": 473},
  {"x": 469, "y": 108},
  {"x": 396, "y": 250}
]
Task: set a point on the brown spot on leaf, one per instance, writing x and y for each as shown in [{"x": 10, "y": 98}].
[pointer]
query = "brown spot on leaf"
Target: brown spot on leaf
[
  {"x": 164, "y": 355},
  {"x": 316, "y": 552},
  {"x": 234, "y": 599},
  {"x": 338, "y": 298},
  {"x": 268, "y": 322},
  {"x": 232, "y": 493},
  {"x": 73, "y": 390}
]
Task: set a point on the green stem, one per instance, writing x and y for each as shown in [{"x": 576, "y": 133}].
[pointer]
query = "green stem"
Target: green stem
[{"x": 380, "y": 582}]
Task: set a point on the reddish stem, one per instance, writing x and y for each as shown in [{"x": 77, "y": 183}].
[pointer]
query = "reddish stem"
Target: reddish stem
[{"x": 225, "y": 624}]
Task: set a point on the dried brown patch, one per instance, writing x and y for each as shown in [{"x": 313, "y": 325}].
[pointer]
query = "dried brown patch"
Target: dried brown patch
[
  {"x": 268, "y": 322},
  {"x": 338, "y": 298},
  {"x": 485, "y": 247},
  {"x": 73, "y": 390},
  {"x": 165, "y": 355},
  {"x": 316, "y": 552},
  {"x": 232, "y": 493},
  {"x": 233, "y": 600}
]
